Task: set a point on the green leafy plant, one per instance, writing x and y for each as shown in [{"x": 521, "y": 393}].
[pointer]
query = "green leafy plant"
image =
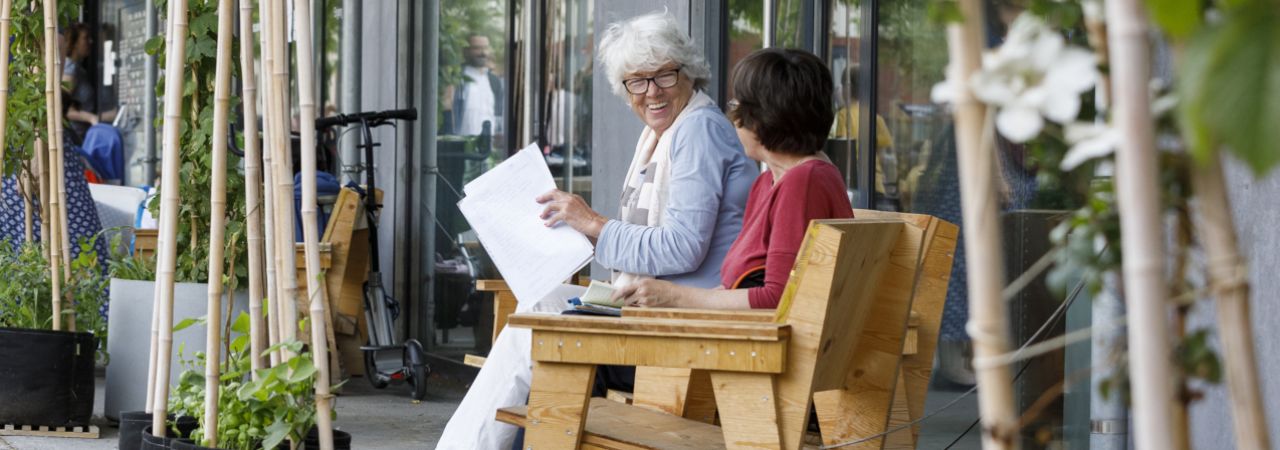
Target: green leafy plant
[
  {"x": 197, "y": 160},
  {"x": 126, "y": 266},
  {"x": 252, "y": 413},
  {"x": 26, "y": 108},
  {"x": 25, "y": 290}
]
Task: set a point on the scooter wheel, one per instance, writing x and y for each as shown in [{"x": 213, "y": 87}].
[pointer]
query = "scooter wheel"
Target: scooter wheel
[
  {"x": 419, "y": 381},
  {"x": 417, "y": 367},
  {"x": 371, "y": 371}
]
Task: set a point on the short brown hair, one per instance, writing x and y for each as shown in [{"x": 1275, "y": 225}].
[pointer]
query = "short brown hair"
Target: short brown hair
[{"x": 784, "y": 96}]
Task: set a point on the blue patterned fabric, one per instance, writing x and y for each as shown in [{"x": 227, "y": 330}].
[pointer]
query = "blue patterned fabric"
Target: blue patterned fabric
[
  {"x": 82, "y": 216},
  {"x": 939, "y": 196}
]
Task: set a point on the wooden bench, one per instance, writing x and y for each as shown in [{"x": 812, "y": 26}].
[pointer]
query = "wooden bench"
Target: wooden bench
[{"x": 836, "y": 344}]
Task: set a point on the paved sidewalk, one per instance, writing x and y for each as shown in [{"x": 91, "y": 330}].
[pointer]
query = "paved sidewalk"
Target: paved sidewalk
[{"x": 377, "y": 419}]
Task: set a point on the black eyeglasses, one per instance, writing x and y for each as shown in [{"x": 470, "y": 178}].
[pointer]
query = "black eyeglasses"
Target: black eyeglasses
[{"x": 638, "y": 86}]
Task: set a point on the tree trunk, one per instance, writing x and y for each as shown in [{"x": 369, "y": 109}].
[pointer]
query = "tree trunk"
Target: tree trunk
[
  {"x": 217, "y": 220},
  {"x": 1229, "y": 279},
  {"x": 988, "y": 322},
  {"x": 253, "y": 183},
  {"x": 167, "y": 250},
  {"x": 1138, "y": 199}
]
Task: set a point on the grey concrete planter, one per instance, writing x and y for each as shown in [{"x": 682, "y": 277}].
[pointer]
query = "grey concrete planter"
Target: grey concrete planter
[{"x": 129, "y": 338}]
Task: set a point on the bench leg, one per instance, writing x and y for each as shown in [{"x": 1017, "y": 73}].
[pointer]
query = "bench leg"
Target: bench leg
[
  {"x": 680, "y": 392},
  {"x": 558, "y": 402},
  {"x": 900, "y": 415},
  {"x": 862, "y": 407},
  {"x": 748, "y": 409},
  {"x": 504, "y": 305}
]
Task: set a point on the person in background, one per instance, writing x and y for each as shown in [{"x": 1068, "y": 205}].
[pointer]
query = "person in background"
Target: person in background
[
  {"x": 75, "y": 78},
  {"x": 782, "y": 112},
  {"x": 681, "y": 208},
  {"x": 481, "y": 96}
]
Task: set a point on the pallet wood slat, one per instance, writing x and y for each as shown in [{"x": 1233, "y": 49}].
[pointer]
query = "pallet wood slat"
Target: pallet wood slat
[{"x": 89, "y": 432}]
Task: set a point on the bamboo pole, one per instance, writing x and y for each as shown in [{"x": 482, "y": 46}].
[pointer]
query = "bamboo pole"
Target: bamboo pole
[
  {"x": 218, "y": 220},
  {"x": 173, "y": 81},
  {"x": 28, "y": 210},
  {"x": 51, "y": 89},
  {"x": 155, "y": 295},
  {"x": 286, "y": 272},
  {"x": 1229, "y": 280},
  {"x": 62, "y": 233},
  {"x": 253, "y": 183},
  {"x": 1142, "y": 230},
  {"x": 266, "y": 12},
  {"x": 42, "y": 182},
  {"x": 310, "y": 229},
  {"x": 6, "y": 11},
  {"x": 988, "y": 324}
]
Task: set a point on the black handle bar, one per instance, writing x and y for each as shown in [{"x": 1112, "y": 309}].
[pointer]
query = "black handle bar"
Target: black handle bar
[{"x": 369, "y": 117}]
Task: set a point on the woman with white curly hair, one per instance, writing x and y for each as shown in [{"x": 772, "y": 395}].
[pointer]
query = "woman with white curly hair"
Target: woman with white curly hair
[{"x": 681, "y": 208}]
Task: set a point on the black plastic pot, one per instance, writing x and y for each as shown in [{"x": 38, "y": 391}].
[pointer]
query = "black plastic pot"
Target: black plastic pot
[
  {"x": 187, "y": 444},
  {"x": 341, "y": 439},
  {"x": 142, "y": 439},
  {"x": 131, "y": 425},
  {"x": 150, "y": 442},
  {"x": 47, "y": 377}
]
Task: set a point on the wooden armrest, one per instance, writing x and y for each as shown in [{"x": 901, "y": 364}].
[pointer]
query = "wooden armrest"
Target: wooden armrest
[
  {"x": 492, "y": 285},
  {"x": 667, "y": 328},
  {"x": 753, "y": 315},
  {"x": 913, "y": 320}
]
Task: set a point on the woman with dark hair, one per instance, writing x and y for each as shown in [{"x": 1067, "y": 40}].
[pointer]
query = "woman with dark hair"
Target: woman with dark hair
[{"x": 782, "y": 113}]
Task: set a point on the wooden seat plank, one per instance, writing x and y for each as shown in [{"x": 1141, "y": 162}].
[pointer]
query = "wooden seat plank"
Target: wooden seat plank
[
  {"x": 755, "y": 315},
  {"x": 739, "y": 355},
  {"x": 614, "y": 425},
  {"x": 708, "y": 329}
]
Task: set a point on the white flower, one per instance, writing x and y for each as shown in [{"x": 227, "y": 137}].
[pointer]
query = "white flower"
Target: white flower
[
  {"x": 1089, "y": 141},
  {"x": 1034, "y": 75}
]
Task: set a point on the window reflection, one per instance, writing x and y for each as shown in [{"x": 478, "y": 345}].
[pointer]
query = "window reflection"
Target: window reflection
[
  {"x": 566, "y": 127},
  {"x": 474, "y": 81},
  {"x": 916, "y": 171},
  {"x": 842, "y": 58}
]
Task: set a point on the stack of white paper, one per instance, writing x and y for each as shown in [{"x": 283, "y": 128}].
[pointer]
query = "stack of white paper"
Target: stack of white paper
[{"x": 500, "y": 205}]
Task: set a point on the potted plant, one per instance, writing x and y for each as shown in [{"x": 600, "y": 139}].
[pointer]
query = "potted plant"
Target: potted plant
[
  {"x": 48, "y": 375},
  {"x": 259, "y": 410},
  {"x": 134, "y": 289}
]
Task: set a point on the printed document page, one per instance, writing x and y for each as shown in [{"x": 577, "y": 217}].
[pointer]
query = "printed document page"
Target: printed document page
[{"x": 500, "y": 206}]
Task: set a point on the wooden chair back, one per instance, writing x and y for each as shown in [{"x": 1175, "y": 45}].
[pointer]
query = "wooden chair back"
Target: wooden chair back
[{"x": 845, "y": 269}]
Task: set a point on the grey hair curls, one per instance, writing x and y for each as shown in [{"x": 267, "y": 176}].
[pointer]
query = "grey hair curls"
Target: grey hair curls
[{"x": 645, "y": 44}]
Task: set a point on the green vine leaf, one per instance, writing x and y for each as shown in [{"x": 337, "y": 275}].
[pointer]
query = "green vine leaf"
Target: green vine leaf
[
  {"x": 1230, "y": 87},
  {"x": 1178, "y": 18}
]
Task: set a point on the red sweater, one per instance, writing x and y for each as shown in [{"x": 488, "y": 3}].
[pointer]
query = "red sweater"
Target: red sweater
[{"x": 775, "y": 222}]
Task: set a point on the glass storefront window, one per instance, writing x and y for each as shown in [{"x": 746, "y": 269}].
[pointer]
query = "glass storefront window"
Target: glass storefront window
[
  {"x": 746, "y": 35},
  {"x": 566, "y": 124},
  {"x": 842, "y": 58},
  {"x": 916, "y": 171},
  {"x": 474, "y": 84}
]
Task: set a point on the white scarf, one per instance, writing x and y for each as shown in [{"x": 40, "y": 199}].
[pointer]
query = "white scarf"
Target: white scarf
[{"x": 650, "y": 197}]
